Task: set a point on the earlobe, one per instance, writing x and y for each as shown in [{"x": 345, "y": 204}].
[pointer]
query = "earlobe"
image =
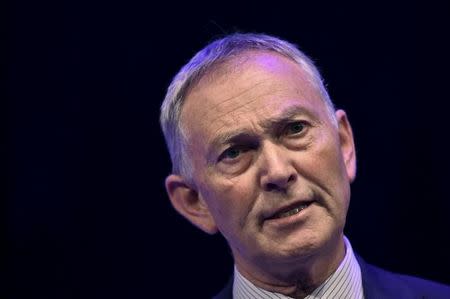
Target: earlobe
[
  {"x": 188, "y": 203},
  {"x": 347, "y": 144}
]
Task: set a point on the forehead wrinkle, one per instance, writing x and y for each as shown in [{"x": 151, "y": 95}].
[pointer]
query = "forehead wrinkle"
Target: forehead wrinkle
[
  {"x": 232, "y": 112},
  {"x": 217, "y": 106},
  {"x": 288, "y": 114},
  {"x": 249, "y": 101}
]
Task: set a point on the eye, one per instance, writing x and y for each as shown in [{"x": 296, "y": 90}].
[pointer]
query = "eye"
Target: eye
[
  {"x": 295, "y": 128},
  {"x": 230, "y": 153}
]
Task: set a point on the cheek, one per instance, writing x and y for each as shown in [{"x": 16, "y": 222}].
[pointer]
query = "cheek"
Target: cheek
[
  {"x": 337, "y": 181},
  {"x": 330, "y": 154},
  {"x": 231, "y": 201},
  {"x": 326, "y": 167}
]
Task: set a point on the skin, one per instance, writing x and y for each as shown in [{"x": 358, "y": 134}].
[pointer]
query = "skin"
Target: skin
[{"x": 261, "y": 140}]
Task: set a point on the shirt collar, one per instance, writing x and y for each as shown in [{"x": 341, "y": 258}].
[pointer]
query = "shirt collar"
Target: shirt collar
[{"x": 345, "y": 282}]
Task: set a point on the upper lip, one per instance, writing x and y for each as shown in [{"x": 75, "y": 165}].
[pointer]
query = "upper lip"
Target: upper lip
[{"x": 285, "y": 208}]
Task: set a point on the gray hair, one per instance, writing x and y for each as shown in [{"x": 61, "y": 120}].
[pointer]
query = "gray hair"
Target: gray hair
[{"x": 206, "y": 60}]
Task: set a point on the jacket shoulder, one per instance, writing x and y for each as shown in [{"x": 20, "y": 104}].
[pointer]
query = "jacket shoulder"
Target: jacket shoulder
[
  {"x": 227, "y": 291},
  {"x": 379, "y": 283}
]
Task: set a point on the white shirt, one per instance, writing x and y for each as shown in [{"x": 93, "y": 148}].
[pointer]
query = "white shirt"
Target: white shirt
[{"x": 345, "y": 282}]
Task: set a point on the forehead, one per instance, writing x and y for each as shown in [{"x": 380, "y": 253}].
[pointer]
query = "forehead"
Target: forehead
[{"x": 255, "y": 85}]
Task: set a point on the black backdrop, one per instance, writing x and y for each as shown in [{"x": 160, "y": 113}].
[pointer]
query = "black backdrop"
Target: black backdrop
[{"x": 85, "y": 211}]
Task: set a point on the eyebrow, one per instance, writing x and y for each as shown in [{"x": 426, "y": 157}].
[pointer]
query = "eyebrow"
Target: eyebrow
[
  {"x": 243, "y": 135},
  {"x": 231, "y": 137},
  {"x": 286, "y": 116}
]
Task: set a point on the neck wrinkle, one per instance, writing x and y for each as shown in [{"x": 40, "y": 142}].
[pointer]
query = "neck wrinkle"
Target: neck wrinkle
[{"x": 303, "y": 281}]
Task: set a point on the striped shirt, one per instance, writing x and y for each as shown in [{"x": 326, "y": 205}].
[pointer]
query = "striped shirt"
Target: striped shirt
[{"x": 345, "y": 282}]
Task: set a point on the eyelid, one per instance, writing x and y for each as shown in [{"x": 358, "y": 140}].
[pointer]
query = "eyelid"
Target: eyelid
[
  {"x": 222, "y": 157},
  {"x": 242, "y": 148},
  {"x": 304, "y": 123}
]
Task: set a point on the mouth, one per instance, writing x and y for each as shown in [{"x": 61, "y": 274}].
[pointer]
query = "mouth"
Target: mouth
[{"x": 290, "y": 210}]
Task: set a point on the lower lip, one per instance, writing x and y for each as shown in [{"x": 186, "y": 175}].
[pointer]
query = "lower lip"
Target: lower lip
[{"x": 289, "y": 220}]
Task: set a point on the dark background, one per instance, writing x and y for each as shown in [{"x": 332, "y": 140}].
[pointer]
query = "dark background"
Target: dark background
[{"x": 85, "y": 211}]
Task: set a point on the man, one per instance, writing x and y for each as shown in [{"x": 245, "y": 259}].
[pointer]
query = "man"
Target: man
[{"x": 260, "y": 154}]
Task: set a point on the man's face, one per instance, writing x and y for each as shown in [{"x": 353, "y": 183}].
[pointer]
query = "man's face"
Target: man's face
[{"x": 268, "y": 161}]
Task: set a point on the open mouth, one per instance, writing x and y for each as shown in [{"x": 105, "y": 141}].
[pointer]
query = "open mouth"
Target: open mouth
[{"x": 289, "y": 211}]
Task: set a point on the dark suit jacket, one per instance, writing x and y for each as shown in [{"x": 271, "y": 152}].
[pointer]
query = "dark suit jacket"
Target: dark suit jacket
[{"x": 381, "y": 284}]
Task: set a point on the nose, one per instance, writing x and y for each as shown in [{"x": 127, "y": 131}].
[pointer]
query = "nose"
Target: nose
[{"x": 277, "y": 172}]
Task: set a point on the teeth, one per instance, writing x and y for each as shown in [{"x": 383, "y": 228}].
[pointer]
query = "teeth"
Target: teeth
[{"x": 292, "y": 212}]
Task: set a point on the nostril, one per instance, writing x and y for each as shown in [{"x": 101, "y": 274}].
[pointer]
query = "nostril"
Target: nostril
[
  {"x": 291, "y": 178},
  {"x": 280, "y": 185},
  {"x": 271, "y": 187}
]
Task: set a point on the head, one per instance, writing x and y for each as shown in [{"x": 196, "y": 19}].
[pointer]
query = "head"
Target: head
[
  {"x": 211, "y": 58},
  {"x": 259, "y": 152}
]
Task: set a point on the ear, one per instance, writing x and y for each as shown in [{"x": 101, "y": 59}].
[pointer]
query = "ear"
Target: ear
[
  {"x": 188, "y": 203},
  {"x": 347, "y": 144}
]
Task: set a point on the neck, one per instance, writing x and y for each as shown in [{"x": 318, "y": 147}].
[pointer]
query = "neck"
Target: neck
[{"x": 298, "y": 278}]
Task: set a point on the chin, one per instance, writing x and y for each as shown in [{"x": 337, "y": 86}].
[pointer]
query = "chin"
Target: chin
[{"x": 304, "y": 247}]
